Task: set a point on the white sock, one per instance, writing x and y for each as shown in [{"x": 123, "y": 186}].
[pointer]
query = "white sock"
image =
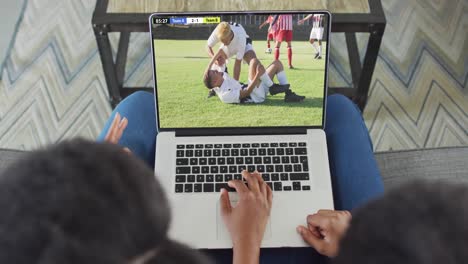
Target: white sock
[
  {"x": 320, "y": 50},
  {"x": 266, "y": 80},
  {"x": 315, "y": 47},
  {"x": 282, "y": 79}
]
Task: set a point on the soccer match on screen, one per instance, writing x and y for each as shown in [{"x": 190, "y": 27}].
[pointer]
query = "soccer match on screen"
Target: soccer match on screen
[{"x": 240, "y": 70}]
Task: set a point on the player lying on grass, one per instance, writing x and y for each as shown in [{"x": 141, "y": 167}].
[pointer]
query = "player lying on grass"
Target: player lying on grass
[{"x": 260, "y": 83}]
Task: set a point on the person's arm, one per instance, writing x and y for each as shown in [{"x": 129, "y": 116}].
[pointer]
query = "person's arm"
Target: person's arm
[
  {"x": 246, "y": 222},
  {"x": 300, "y": 22},
  {"x": 246, "y": 92},
  {"x": 213, "y": 59},
  {"x": 274, "y": 20},
  {"x": 325, "y": 230},
  {"x": 263, "y": 24},
  {"x": 210, "y": 43},
  {"x": 237, "y": 69}
]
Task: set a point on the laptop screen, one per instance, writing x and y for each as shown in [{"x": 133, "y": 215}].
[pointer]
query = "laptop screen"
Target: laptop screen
[{"x": 240, "y": 70}]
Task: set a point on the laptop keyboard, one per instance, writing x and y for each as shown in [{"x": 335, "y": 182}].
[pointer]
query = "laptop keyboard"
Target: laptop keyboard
[{"x": 208, "y": 167}]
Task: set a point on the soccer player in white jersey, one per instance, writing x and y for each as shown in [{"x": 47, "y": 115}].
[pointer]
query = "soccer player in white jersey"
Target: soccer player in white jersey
[
  {"x": 231, "y": 91},
  {"x": 235, "y": 42},
  {"x": 316, "y": 33},
  {"x": 271, "y": 32},
  {"x": 284, "y": 32}
]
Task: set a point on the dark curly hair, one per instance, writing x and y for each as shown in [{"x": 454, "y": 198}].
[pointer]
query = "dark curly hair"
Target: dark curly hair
[
  {"x": 421, "y": 222},
  {"x": 84, "y": 202}
]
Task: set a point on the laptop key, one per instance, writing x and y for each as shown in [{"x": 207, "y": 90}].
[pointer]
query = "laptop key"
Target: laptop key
[
  {"x": 253, "y": 152},
  {"x": 220, "y": 186},
  {"x": 300, "y": 151},
  {"x": 295, "y": 176},
  {"x": 270, "y": 168},
  {"x": 193, "y": 161},
  {"x": 289, "y": 151},
  {"x": 246, "y": 145},
  {"x": 305, "y": 166},
  {"x": 292, "y": 144},
  {"x": 303, "y": 159},
  {"x": 216, "y": 152},
  {"x": 188, "y": 188},
  {"x": 284, "y": 176},
  {"x": 236, "y": 145},
  {"x": 232, "y": 169},
  {"x": 275, "y": 177},
  {"x": 196, "y": 169},
  {"x": 280, "y": 151},
  {"x": 260, "y": 168},
  {"x": 302, "y": 144},
  {"x": 285, "y": 159},
  {"x": 244, "y": 152},
  {"x": 214, "y": 169},
  {"x": 191, "y": 178},
  {"x": 182, "y": 170},
  {"x": 200, "y": 178},
  {"x": 189, "y": 153},
  {"x": 296, "y": 186},
  {"x": 271, "y": 152},
  {"x": 207, "y": 153},
  {"x": 251, "y": 168},
  {"x": 202, "y": 161},
  {"x": 221, "y": 161},
  {"x": 180, "y": 153},
  {"x": 297, "y": 167},
  {"x": 180, "y": 146},
  {"x": 288, "y": 168},
  {"x": 276, "y": 160},
  {"x": 239, "y": 160},
  {"x": 270, "y": 184},
  {"x": 225, "y": 152},
  {"x": 283, "y": 144},
  {"x": 266, "y": 160},
  {"x": 180, "y": 178},
  {"x": 182, "y": 162},
  {"x": 219, "y": 178},
  {"x": 218, "y": 145},
  {"x": 228, "y": 177},
  {"x": 227, "y": 146},
  {"x": 230, "y": 160},
  {"x": 208, "y": 145},
  {"x": 266, "y": 176},
  {"x": 262, "y": 152},
  {"x": 209, "y": 178},
  {"x": 198, "y": 153},
  {"x": 179, "y": 188},
  {"x": 238, "y": 176},
  {"x": 190, "y": 146},
  {"x": 287, "y": 188},
  {"x": 208, "y": 187},
  {"x": 279, "y": 168},
  {"x": 306, "y": 188},
  {"x": 294, "y": 159},
  {"x": 212, "y": 161},
  {"x": 258, "y": 160},
  {"x": 248, "y": 160},
  {"x": 274, "y": 145},
  {"x": 278, "y": 186},
  {"x": 199, "y": 146},
  {"x": 264, "y": 145},
  {"x": 223, "y": 169},
  {"x": 234, "y": 152},
  {"x": 197, "y": 187},
  {"x": 255, "y": 145},
  {"x": 205, "y": 169}
]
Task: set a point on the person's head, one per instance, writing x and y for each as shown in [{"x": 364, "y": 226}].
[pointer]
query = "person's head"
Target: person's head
[
  {"x": 213, "y": 79},
  {"x": 85, "y": 202},
  {"x": 421, "y": 222},
  {"x": 224, "y": 33}
]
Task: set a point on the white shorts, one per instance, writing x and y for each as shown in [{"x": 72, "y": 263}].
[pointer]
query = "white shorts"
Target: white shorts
[
  {"x": 259, "y": 93},
  {"x": 222, "y": 68},
  {"x": 316, "y": 33}
]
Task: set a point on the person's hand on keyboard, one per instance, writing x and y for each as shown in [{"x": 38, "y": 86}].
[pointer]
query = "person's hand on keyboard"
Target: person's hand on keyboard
[
  {"x": 325, "y": 230},
  {"x": 116, "y": 130},
  {"x": 246, "y": 222}
]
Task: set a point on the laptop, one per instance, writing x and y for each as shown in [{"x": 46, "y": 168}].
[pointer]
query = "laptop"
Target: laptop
[{"x": 204, "y": 141}]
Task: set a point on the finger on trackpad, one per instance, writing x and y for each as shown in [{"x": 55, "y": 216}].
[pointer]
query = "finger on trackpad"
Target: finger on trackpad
[{"x": 221, "y": 231}]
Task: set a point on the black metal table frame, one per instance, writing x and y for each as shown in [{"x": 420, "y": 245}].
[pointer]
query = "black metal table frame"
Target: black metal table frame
[{"x": 350, "y": 23}]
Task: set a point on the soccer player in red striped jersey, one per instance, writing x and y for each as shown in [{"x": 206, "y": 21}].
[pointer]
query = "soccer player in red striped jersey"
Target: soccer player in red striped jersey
[
  {"x": 316, "y": 33},
  {"x": 271, "y": 32},
  {"x": 284, "y": 28}
]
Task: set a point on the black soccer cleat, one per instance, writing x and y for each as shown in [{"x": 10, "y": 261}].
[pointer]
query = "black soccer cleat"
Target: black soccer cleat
[
  {"x": 319, "y": 57},
  {"x": 278, "y": 88},
  {"x": 292, "y": 97},
  {"x": 211, "y": 93},
  {"x": 316, "y": 55}
]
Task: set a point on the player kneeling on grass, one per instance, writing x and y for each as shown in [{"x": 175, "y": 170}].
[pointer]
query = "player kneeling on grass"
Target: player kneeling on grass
[{"x": 260, "y": 83}]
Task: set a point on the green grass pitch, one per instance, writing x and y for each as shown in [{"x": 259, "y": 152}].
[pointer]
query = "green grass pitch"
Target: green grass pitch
[{"x": 182, "y": 95}]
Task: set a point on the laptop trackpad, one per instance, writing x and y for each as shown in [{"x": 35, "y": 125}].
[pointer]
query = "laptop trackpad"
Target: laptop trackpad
[{"x": 221, "y": 231}]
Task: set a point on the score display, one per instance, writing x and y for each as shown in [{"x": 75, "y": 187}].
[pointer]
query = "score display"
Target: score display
[{"x": 186, "y": 20}]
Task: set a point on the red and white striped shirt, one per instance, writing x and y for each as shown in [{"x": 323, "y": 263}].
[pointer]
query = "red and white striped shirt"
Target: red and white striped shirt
[{"x": 284, "y": 22}]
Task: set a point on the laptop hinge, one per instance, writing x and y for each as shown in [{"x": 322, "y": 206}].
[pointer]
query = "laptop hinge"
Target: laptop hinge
[{"x": 240, "y": 132}]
